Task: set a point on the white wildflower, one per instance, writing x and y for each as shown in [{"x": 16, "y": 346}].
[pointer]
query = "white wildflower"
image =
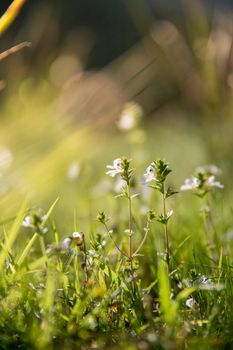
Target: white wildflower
[
  {"x": 205, "y": 283},
  {"x": 130, "y": 116},
  {"x": 228, "y": 236},
  {"x": 169, "y": 214},
  {"x": 190, "y": 184},
  {"x": 73, "y": 170},
  {"x": 6, "y": 158},
  {"x": 78, "y": 238},
  {"x": 211, "y": 182},
  {"x": 150, "y": 173},
  {"x": 28, "y": 221},
  {"x": 66, "y": 243},
  {"x": 179, "y": 285},
  {"x": 209, "y": 169},
  {"x": 116, "y": 168},
  {"x": 119, "y": 184},
  {"x": 91, "y": 323},
  {"x": 144, "y": 209},
  {"x": 190, "y": 303}
]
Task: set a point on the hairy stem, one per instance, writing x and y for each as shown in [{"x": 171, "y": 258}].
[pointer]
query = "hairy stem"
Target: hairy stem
[
  {"x": 143, "y": 240},
  {"x": 212, "y": 223},
  {"x": 43, "y": 248},
  {"x": 166, "y": 238},
  {"x": 130, "y": 234},
  {"x": 116, "y": 245},
  {"x": 85, "y": 259}
]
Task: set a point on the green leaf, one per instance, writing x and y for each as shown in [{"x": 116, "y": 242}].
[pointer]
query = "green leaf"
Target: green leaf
[
  {"x": 49, "y": 212},
  {"x": 170, "y": 192},
  {"x": 27, "y": 249},
  {"x": 168, "y": 306},
  {"x": 135, "y": 195},
  {"x": 185, "y": 293},
  {"x": 12, "y": 235}
]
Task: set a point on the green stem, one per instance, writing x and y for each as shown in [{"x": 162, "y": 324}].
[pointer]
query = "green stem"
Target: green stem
[
  {"x": 27, "y": 249},
  {"x": 42, "y": 245},
  {"x": 212, "y": 223},
  {"x": 43, "y": 248},
  {"x": 85, "y": 259},
  {"x": 130, "y": 235},
  {"x": 116, "y": 245},
  {"x": 166, "y": 238},
  {"x": 207, "y": 242},
  {"x": 143, "y": 240}
]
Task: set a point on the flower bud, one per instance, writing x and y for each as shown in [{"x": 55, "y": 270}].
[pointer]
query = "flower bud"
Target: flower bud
[{"x": 78, "y": 238}]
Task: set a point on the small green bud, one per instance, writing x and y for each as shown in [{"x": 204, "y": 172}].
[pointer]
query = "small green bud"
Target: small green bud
[
  {"x": 101, "y": 217},
  {"x": 151, "y": 215}
]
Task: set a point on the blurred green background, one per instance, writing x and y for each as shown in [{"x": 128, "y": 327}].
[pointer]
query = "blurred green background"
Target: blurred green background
[{"x": 164, "y": 70}]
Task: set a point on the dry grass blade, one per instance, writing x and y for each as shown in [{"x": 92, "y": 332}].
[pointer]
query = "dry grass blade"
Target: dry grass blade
[{"x": 14, "y": 49}]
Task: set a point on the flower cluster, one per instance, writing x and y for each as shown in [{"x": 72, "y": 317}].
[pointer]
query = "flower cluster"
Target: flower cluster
[
  {"x": 157, "y": 173},
  {"x": 190, "y": 184},
  {"x": 76, "y": 237},
  {"x": 150, "y": 173},
  {"x": 36, "y": 221},
  {"x": 203, "y": 181},
  {"x": 121, "y": 166},
  {"x": 116, "y": 168}
]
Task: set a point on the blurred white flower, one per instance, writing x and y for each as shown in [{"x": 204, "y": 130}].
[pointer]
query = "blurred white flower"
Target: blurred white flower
[
  {"x": 190, "y": 303},
  {"x": 66, "y": 243},
  {"x": 205, "y": 283},
  {"x": 116, "y": 168},
  {"x": 209, "y": 169},
  {"x": 130, "y": 116},
  {"x": 190, "y": 184},
  {"x": 144, "y": 209},
  {"x": 228, "y": 236},
  {"x": 73, "y": 170},
  {"x": 169, "y": 214},
  {"x": 78, "y": 238},
  {"x": 146, "y": 192},
  {"x": 6, "y": 158},
  {"x": 91, "y": 323},
  {"x": 102, "y": 187},
  {"x": 119, "y": 184},
  {"x": 150, "y": 173},
  {"x": 28, "y": 221},
  {"x": 212, "y": 183}
]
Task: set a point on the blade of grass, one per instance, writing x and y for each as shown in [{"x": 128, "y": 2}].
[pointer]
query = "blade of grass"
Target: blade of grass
[
  {"x": 27, "y": 249},
  {"x": 11, "y": 13},
  {"x": 39, "y": 262},
  {"x": 49, "y": 212},
  {"x": 168, "y": 306},
  {"x": 47, "y": 215},
  {"x": 13, "y": 233}
]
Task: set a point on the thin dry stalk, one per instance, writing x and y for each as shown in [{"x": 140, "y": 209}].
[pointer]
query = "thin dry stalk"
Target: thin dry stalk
[{"x": 14, "y": 49}]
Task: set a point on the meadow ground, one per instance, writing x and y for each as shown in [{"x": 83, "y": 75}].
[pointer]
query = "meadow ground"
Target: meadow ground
[{"x": 135, "y": 274}]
